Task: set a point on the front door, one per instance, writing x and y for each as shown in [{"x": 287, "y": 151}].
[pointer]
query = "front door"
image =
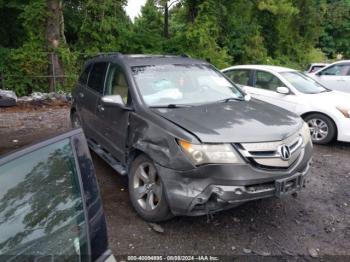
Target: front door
[
  {"x": 113, "y": 120},
  {"x": 265, "y": 89}
]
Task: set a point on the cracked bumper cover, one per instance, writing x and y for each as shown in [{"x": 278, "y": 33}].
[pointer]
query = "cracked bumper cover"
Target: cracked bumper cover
[{"x": 213, "y": 187}]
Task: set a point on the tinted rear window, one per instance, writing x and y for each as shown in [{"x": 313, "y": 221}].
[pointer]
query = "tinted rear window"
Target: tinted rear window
[
  {"x": 84, "y": 75},
  {"x": 97, "y": 77}
]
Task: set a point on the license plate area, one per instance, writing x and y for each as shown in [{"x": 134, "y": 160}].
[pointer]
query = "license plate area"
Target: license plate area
[{"x": 288, "y": 185}]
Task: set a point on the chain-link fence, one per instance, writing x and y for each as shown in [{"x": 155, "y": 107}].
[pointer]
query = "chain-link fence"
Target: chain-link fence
[{"x": 51, "y": 73}]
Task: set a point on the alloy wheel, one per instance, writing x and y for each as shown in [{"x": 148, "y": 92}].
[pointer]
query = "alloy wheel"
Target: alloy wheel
[
  {"x": 318, "y": 129},
  {"x": 147, "y": 187}
]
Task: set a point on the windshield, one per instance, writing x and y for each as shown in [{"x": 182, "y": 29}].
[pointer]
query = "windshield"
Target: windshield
[
  {"x": 165, "y": 85},
  {"x": 303, "y": 83}
]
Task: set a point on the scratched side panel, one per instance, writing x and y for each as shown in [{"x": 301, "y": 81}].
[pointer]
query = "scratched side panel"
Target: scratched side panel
[{"x": 156, "y": 137}]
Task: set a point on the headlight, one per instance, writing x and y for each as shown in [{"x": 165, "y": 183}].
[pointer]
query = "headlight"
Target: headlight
[
  {"x": 305, "y": 133},
  {"x": 344, "y": 110},
  {"x": 205, "y": 153}
]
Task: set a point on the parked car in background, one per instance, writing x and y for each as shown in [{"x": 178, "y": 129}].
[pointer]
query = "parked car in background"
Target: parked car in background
[
  {"x": 327, "y": 112},
  {"x": 335, "y": 76},
  {"x": 50, "y": 206},
  {"x": 315, "y": 67},
  {"x": 190, "y": 141}
]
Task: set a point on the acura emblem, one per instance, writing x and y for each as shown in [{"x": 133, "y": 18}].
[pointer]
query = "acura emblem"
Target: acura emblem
[{"x": 284, "y": 152}]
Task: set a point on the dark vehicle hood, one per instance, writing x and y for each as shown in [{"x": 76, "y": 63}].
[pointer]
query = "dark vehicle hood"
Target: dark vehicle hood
[{"x": 234, "y": 121}]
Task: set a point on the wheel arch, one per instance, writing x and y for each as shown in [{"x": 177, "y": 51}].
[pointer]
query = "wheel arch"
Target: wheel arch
[{"x": 304, "y": 115}]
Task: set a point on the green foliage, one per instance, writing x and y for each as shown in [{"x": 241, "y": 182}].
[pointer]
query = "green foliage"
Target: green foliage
[
  {"x": 200, "y": 36},
  {"x": 335, "y": 38},
  {"x": 292, "y": 33},
  {"x": 105, "y": 26},
  {"x": 148, "y": 28}
]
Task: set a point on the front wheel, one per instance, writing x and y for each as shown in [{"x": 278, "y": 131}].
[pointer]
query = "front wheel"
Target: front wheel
[
  {"x": 322, "y": 128},
  {"x": 147, "y": 191}
]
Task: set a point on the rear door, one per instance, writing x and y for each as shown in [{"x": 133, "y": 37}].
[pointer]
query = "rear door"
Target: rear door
[
  {"x": 242, "y": 78},
  {"x": 113, "y": 121},
  {"x": 336, "y": 77},
  {"x": 91, "y": 95},
  {"x": 80, "y": 91},
  {"x": 50, "y": 208}
]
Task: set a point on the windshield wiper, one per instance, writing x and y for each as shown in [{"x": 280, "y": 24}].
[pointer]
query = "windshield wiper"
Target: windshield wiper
[
  {"x": 230, "y": 99},
  {"x": 171, "y": 106}
]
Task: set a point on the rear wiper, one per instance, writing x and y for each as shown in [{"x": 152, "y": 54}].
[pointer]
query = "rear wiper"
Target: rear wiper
[{"x": 171, "y": 106}]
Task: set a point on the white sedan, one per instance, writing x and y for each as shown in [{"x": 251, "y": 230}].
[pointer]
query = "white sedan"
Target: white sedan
[
  {"x": 335, "y": 76},
  {"x": 327, "y": 112}
]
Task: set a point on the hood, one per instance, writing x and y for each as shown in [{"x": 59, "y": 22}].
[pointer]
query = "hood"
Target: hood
[{"x": 234, "y": 121}]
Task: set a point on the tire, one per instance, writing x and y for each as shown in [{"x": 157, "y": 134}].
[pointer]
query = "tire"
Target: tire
[
  {"x": 322, "y": 128},
  {"x": 147, "y": 192},
  {"x": 75, "y": 120}
]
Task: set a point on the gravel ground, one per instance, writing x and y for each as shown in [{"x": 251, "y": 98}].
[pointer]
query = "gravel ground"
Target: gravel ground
[{"x": 316, "y": 222}]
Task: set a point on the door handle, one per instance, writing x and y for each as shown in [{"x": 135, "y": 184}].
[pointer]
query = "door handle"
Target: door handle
[
  {"x": 100, "y": 108},
  {"x": 81, "y": 95}
]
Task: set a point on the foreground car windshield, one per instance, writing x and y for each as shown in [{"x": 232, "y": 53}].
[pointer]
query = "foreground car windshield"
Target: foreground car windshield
[
  {"x": 303, "y": 83},
  {"x": 183, "y": 85}
]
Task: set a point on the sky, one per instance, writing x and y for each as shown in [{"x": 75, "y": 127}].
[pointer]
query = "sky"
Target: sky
[{"x": 134, "y": 7}]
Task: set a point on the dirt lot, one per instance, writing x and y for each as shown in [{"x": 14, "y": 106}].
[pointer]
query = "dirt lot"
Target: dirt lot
[
  {"x": 316, "y": 222},
  {"x": 318, "y": 219}
]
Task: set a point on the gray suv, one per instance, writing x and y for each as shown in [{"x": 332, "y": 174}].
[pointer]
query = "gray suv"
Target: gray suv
[{"x": 189, "y": 140}]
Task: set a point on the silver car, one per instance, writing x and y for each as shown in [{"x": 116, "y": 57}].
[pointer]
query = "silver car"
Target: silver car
[{"x": 335, "y": 76}]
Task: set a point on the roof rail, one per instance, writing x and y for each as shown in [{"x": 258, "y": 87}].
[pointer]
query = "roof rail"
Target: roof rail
[
  {"x": 181, "y": 55},
  {"x": 106, "y": 54}
]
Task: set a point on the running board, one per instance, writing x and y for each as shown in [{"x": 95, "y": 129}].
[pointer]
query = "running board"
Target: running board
[{"x": 106, "y": 156}]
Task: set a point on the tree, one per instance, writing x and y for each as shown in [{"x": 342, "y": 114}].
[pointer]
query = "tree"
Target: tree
[
  {"x": 200, "y": 33},
  {"x": 54, "y": 37},
  {"x": 336, "y": 29},
  {"x": 166, "y": 5},
  {"x": 148, "y": 29},
  {"x": 105, "y": 27}
]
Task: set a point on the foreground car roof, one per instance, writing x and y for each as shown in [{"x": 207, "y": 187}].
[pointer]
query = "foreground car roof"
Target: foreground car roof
[{"x": 277, "y": 69}]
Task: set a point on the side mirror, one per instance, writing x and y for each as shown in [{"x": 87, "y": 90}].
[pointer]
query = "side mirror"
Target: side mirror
[
  {"x": 247, "y": 98},
  {"x": 283, "y": 90},
  {"x": 114, "y": 101}
]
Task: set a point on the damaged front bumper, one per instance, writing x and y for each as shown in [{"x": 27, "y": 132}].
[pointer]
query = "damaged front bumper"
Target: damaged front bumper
[{"x": 212, "y": 188}]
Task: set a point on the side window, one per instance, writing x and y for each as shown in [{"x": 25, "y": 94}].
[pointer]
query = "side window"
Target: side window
[
  {"x": 84, "y": 75},
  {"x": 267, "y": 81},
  {"x": 97, "y": 77},
  {"x": 116, "y": 83},
  {"x": 41, "y": 207},
  {"x": 240, "y": 77},
  {"x": 337, "y": 70}
]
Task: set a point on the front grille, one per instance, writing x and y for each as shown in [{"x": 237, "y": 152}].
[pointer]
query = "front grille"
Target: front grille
[{"x": 266, "y": 155}]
